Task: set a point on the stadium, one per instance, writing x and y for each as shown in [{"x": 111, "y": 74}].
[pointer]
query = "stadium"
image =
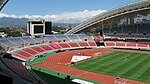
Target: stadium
[{"x": 119, "y": 55}]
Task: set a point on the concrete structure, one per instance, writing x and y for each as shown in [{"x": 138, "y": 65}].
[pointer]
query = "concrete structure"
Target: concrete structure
[{"x": 39, "y": 27}]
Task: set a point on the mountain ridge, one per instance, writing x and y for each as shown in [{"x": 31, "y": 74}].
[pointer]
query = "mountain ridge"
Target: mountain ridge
[{"x": 22, "y": 22}]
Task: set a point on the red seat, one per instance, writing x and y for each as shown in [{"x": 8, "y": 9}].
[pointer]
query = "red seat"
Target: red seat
[
  {"x": 83, "y": 44},
  {"x": 55, "y": 46},
  {"x": 110, "y": 44},
  {"x": 38, "y": 49},
  {"x": 142, "y": 44},
  {"x": 131, "y": 44},
  {"x": 23, "y": 53},
  {"x": 120, "y": 44},
  {"x": 20, "y": 56},
  {"x": 74, "y": 44},
  {"x": 92, "y": 43},
  {"x": 46, "y": 47},
  {"x": 100, "y": 39},
  {"x": 64, "y": 45},
  {"x": 30, "y": 51}
]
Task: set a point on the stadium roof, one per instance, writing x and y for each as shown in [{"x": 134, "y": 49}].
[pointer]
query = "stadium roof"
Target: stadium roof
[
  {"x": 3, "y": 3},
  {"x": 128, "y": 8}
]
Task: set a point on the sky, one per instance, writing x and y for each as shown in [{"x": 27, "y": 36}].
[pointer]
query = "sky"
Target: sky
[{"x": 58, "y": 10}]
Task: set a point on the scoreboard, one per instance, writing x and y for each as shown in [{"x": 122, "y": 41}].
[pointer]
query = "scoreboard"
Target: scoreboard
[{"x": 39, "y": 27}]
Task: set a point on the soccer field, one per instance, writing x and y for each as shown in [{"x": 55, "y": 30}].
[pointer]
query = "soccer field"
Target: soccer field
[{"x": 129, "y": 65}]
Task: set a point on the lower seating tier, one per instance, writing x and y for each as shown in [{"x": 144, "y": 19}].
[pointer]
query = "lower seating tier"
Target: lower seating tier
[
  {"x": 74, "y": 44},
  {"x": 64, "y": 45},
  {"x": 83, "y": 44}
]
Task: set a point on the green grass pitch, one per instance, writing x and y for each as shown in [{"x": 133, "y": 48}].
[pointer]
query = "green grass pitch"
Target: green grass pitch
[{"x": 129, "y": 65}]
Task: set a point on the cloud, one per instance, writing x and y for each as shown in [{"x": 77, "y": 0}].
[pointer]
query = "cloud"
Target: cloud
[{"x": 69, "y": 17}]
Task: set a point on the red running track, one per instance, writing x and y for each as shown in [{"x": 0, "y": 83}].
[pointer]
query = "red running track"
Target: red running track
[{"x": 57, "y": 63}]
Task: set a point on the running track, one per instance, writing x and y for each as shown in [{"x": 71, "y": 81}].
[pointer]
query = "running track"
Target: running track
[{"x": 57, "y": 63}]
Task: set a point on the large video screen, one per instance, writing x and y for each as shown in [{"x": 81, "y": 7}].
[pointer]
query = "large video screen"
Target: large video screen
[
  {"x": 48, "y": 27},
  {"x": 38, "y": 28}
]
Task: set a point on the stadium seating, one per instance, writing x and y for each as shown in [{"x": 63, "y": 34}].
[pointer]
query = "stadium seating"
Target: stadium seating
[
  {"x": 51, "y": 38},
  {"x": 38, "y": 49},
  {"x": 31, "y": 51},
  {"x": 73, "y": 37},
  {"x": 74, "y": 44},
  {"x": 18, "y": 68},
  {"x": 84, "y": 37},
  {"x": 7, "y": 43},
  {"x": 110, "y": 43},
  {"x": 28, "y": 39},
  {"x": 27, "y": 53},
  {"x": 131, "y": 44},
  {"x": 120, "y": 44},
  {"x": 98, "y": 39},
  {"x": 62, "y": 38},
  {"x": 64, "y": 45},
  {"x": 92, "y": 43},
  {"x": 40, "y": 39},
  {"x": 20, "y": 57},
  {"x": 130, "y": 31},
  {"x": 31, "y": 46},
  {"x": 46, "y": 47},
  {"x": 23, "y": 53},
  {"x": 16, "y": 40},
  {"x": 142, "y": 44},
  {"x": 83, "y": 44},
  {"x": 55, "y": 46}
]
